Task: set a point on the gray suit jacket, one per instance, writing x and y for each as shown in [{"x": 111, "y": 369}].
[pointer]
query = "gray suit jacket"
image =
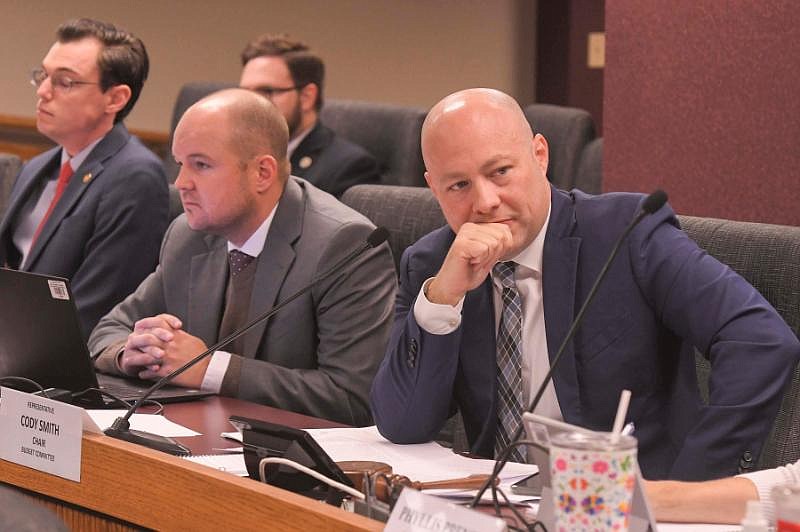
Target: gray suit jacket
[{"x": 319, "y": 354}]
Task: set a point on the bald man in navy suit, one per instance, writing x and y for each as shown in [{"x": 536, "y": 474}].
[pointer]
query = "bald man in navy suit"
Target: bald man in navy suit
[{"x": 663, "y": 297}]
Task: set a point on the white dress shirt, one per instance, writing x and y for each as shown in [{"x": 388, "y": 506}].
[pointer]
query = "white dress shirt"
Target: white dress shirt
[
  {"x": 444, "y": 319},
  {"x": 295, "y": 142}
]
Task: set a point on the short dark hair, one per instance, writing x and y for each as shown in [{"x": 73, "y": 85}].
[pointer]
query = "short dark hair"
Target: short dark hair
[
  {"x": 122, "y": 61},
  {"x": 304, "y": 65}
]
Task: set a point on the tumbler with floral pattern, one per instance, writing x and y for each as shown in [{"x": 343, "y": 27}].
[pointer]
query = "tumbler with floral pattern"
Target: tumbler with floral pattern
[{"x": 593, "y": 476}]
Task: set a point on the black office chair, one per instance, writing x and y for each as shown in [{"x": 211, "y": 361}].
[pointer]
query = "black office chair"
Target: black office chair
[
  {"x": 9, "y": 168},
  {"x": 391, "y": 133},
  {"x": 767, "y": 256},
  {"x": 408, "y": 213},
  {"x": 567, "y": 130},
  {"x": 589, "y": 176}
]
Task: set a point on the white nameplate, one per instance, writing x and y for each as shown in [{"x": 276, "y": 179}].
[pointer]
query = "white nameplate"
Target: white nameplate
[
  {"x": 418, "y": 512},
  {"x": 41, "y": 433}
]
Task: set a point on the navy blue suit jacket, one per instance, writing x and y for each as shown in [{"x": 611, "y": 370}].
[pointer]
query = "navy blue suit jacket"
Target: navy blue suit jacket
[
  {"x": 332, "y": 163},
  {"x": 106, "y": 230},
  {"x": 663, "y": 295}
]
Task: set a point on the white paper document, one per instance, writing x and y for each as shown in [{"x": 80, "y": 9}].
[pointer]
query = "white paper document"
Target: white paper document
[
  {"x": 423, "y": 462},
  {"x": 230, "y": 463},
  {"x": 146, "y": 422}
]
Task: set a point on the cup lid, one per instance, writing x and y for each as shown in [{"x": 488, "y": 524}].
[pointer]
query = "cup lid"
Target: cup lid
[{"x": 594, "y": 441}]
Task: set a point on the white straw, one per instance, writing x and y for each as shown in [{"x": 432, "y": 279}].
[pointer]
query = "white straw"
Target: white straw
[{"x": 622, "y": 411}]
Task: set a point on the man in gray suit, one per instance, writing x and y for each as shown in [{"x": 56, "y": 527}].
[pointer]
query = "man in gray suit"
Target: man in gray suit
[{"x": 251, "y": 236}]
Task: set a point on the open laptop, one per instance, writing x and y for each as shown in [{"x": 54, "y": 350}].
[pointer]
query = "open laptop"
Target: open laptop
[{"x": 41, "y": 340}]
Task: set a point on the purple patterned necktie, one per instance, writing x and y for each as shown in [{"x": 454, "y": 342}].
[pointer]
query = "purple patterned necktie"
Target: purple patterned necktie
[{"x": 238, "y": 261}]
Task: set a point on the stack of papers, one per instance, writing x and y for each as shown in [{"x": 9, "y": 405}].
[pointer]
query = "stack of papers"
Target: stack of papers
[{"x": 422, "y": 462}]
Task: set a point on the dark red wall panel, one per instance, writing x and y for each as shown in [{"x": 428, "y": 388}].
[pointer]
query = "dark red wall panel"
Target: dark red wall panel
[{"x": 701, "y": 99}]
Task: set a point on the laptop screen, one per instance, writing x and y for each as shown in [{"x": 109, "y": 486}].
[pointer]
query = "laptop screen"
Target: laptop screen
[
  {"x": 40, "y": 337},
  {"x": 41, "y": 340}
]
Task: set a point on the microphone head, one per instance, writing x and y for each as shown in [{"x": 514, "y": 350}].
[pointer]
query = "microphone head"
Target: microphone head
[
  {"x": 377, "y": 237},
  {"x": 654, "y": 201}
]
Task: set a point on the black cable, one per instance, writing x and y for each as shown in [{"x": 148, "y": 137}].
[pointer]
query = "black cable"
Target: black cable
[
  {"x": 126, "y": 404},
  {"x": 24, "y": 380},
  {"x": 502, "y": 458}
]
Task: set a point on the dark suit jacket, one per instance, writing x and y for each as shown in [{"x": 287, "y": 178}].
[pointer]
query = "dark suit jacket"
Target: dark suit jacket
[
  {"x": 318, "y": 355},
  {"x": 105, "y": 231},
  {"x": 663, "y": 295},
  {"x": 332, "y": 163}
]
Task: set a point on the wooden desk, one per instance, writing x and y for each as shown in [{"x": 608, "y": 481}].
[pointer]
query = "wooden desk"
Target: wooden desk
[
  {"x": 128, "y": 487},
  {"x": 212, "y": 419}
]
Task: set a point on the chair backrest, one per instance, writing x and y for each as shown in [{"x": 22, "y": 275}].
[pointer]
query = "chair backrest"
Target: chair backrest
[
  {"x": 567, "y": 131},
  {"x": 188, "y": 95},
  {"x": 589, "y": 176},
  {"x": 768, "y": 256},
  {"x": 391, "y": 133},
  {"x": 408, "y": 213},
  {"x": 9, "y": 168}
]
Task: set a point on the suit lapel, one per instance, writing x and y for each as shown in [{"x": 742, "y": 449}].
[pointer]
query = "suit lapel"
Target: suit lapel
[
  {"x": 30, "y": 177},
  {"x": 83, "y": 178},
  {"x": 275, "y": 261},
  {"x": 305, "y": 155},
  {"x": 208, "y": 279},
  {"x": 559, "y": 274}
]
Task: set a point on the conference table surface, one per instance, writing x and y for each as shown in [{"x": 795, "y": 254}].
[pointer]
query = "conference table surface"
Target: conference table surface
[{"x": 209, "y": 417}]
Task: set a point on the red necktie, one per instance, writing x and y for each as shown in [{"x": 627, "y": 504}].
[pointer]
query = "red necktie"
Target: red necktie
[{"x": 63, "y": 181}]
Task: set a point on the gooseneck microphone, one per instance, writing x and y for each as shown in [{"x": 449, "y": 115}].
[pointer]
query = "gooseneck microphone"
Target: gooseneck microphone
[
  {"x": 121, "y": 430},
  {"x": 651, "y": 204}
]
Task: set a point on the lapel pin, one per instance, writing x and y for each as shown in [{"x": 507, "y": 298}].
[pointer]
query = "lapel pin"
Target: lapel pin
[
  {"x": 87, "y": 178},
  {"x": 305, "y": 162}
]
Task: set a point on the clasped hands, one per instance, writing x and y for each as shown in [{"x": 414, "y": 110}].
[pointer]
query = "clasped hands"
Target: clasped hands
[
  {"x": 158, "y": 346},
  {"x": 474, "y": 252}
]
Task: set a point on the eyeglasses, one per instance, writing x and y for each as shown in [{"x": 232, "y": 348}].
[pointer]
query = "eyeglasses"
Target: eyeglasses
[
  {"x": 61, "y": 81},
  {"x": 271, "y": 92}
]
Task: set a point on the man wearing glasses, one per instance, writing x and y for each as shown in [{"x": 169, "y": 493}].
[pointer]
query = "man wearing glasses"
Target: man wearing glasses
[
  {"x": 94, "y": 208},
  {"x": 291, "y": 76}
]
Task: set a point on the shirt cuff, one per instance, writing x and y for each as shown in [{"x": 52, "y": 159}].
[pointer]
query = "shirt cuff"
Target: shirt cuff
[
  {"x": 215, "y": 372},
  {"x": 435, "y": 318},
  {"x": 764, "y": 481}
]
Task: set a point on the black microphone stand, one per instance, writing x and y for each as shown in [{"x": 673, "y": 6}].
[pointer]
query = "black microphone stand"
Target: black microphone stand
[{"x": 121, "y": 430}]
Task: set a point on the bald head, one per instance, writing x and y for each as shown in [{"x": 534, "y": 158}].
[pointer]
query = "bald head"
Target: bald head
[
  {"x": 254, "y": 125},
  {"x": 484, "y": 165},
  {"x": 471, "y": 111}
]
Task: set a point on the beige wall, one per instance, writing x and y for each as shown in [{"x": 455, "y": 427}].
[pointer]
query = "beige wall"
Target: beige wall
[{"x": 409, "y": 52}]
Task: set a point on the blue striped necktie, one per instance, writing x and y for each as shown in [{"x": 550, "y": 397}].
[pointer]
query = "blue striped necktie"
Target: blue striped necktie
[{"x": 509, "y": 362}]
